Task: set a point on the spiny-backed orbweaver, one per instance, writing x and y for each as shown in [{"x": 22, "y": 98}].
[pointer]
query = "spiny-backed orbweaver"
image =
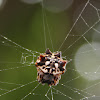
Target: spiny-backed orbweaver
[{"x": 50, "y": 66}]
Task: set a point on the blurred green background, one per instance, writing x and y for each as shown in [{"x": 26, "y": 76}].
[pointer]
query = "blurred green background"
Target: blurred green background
[{"x": 22, "y": 23}]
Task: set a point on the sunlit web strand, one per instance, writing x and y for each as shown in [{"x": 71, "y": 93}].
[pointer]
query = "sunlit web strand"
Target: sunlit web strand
[
  {"x": 77, "y": 92},
  {"x": 49, "y": 31},
  {"x": 24, "y": 55},
  {"x": 52, "y": 93},
  {"x": 97, "y": 69},
  {"x": 74, "y": 35},
  {"x": 63, "y": 94},
  {"x": 87, "y": 73},
  {"x": 83, "y": 91},
  {"x": 91, "y": 86},
  {"x": 3, "y": 89},
  {"x": 88, "y": 42},
  {"x": 86, "y": 97},
  {"x": 23, "y": 58},
  {"x": 74, "y": 24},
  {"x": 95, "y": 9},
  {"x": 58, "y": 92},
  {"x": 9, "y": 83},
  {"x": 89, "y": 26},
  {"x": 17, "y": 88},
  {"x": 13, "y": 68},
  {"x": 18, "y": 45},
  {"x": 30, "y": 92},
  {"x": 72, "y": 79},
  {"x": 82, "y": 35},
  {"x": 11, "y": 62},
  {"x": 83, "y": 74},
  {"x": 46, "y": 95},
  {"x": 85, "y": 52},
  {"x": 44, "y": 25}
]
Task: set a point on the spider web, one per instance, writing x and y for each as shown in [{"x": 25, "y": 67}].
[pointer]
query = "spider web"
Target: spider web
[{"x": 17, "y": 81}]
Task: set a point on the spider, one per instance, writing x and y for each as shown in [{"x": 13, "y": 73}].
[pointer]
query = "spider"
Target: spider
[{"x": 50, "y": 66}]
